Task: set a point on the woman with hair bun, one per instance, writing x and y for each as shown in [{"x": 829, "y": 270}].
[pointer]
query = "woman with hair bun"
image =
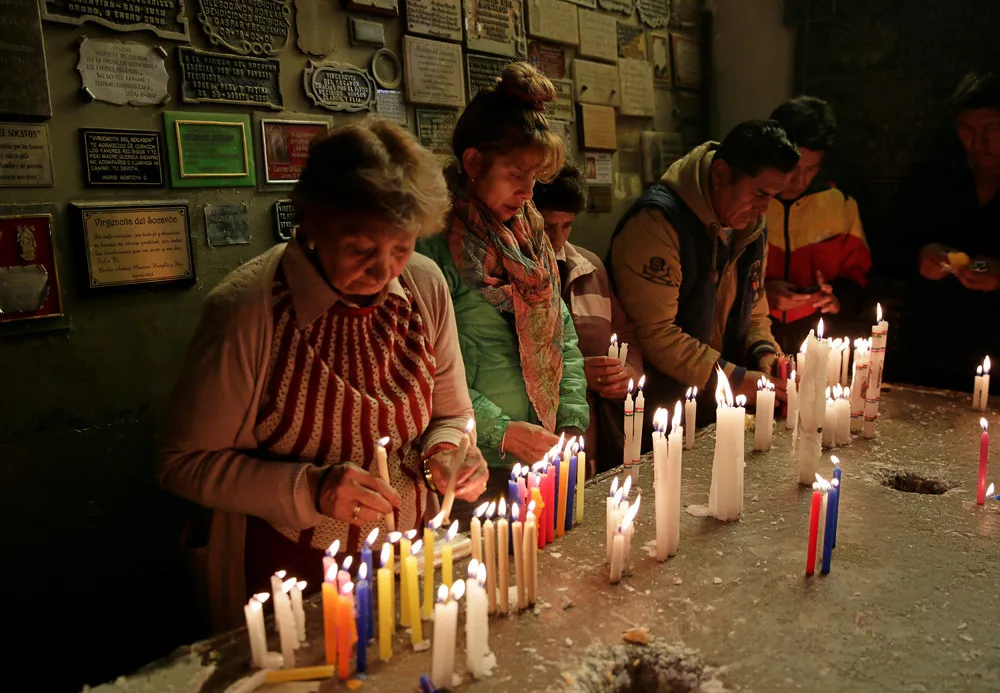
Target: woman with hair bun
[{"x": 523, "y": 367}]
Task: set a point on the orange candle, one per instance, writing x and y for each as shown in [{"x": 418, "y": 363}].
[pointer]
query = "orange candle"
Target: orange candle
[
  {"x": 330, "y": 602},
  {"x": 347, "y": 631}
]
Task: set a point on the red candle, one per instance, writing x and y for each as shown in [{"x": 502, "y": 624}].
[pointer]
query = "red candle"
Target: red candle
[
  {"x": 984, "y": 455},
  {"x": 550, "y": 504},
  {"x": 817, "y": 499}
]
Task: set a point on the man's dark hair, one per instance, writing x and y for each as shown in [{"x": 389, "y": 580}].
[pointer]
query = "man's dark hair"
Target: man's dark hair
[
  {"x": 978, "y": 89},
  {"x": 808, "y": 121},
  {"x": 754, "y": 145},
  {"x": 564, "y": 194}
]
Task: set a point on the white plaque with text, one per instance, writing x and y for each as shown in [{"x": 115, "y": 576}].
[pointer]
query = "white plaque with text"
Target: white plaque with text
[
  {"x": 495, "y": 26},
  {"x": 598, "y": 36},
  {"x": 437, "y": 18},
  {"x": 434, "y": 73},
  {"x": 596, "y": 83},
  {"x": 25, "y": 156},
  {"x": 123, "y": 72},
  {"x": 636, "y": 77},
  {"x": 555, "y": 20}
]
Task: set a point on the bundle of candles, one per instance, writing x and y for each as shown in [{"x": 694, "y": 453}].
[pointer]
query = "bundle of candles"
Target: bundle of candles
[
  {"x": 764, "y": 423},
  {"x": 823, "y": 514},
  {"x": 837, "y": 421},
  {"x": 620, "y": 529},
  {"x": 981, "y": 389},
  {"x": 725, "y": 496},
  {"x": 634, "y": 418}
]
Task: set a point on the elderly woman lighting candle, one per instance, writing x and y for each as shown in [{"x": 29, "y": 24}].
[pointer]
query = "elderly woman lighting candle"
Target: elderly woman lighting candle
[{"x": 307, "y": 356}]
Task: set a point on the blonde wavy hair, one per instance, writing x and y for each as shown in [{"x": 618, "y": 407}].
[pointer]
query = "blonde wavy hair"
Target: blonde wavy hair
[{"x": 374, "y": 167}]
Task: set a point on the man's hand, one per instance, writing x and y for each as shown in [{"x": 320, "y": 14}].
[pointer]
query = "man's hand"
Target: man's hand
[
  {"x": 980, "y": 281},
  {"x": 472, "y": 475},
  {"x": 748, "y": 387},
  {"x": 607, "y": 376},
  {"x": 783, "y": 296},
  {"x": 934, "y": 261},
  {"x": 528, "y": 442},
  {"x": 824, "y": 299}
]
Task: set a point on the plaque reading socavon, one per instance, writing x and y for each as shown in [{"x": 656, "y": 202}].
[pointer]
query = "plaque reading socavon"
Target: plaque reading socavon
[
  {"x": 122, "y": 157},
  {"x": 286, "y": 147}
]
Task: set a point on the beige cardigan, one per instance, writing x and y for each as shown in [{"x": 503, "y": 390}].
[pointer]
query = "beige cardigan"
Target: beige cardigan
[{"x": 209, "y": 448}]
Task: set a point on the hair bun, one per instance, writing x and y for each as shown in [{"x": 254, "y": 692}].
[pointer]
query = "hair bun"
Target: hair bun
[{"x": 523, "y": 83}]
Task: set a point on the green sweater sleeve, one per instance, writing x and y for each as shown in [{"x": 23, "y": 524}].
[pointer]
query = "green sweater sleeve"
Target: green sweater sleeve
[{"x": 574, "y": 412}]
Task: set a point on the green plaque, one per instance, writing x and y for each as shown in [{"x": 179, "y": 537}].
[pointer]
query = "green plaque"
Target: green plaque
[{"x": 209, "y": 150}]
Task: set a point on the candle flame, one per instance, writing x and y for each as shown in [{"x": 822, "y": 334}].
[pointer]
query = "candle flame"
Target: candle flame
[
  {"x": 694, "y": 395},
  {"x": 436, "y": 521},
  {"x": 835, "y": 483},
  {"x": 815, "y": 486},
  {"x": 828, "y": 393},
  {"x": 982, "y": 422},
  {"x": 989, "y": 490},
  {"x": 256, "y": 606},
  {"x": 626, "y": 487},
  {"x": 363, "y": 571},
  {"x": 723, "y": 393},
  {"x": 382, "y": 442},
  {"x": 823, "y": 483},
  {"x": 347, "y": 589},
  {"x": 792, "y": 376},
  {"x": 457, "y": 590},
  {"x": 878, "y": 311},
  {"x": 986, "y": 365},
  {"x": 741, "y": 401},
  {"x": 819, "y": 329},
  {"x": 470, "y": 425},
  {"x": 481, "y": 574},
  {"x": 502, "y": 507},
  {"x": 393, "y": 537},
  {"x": 516, "y": 470},
  {"x": 491, "y": 509},
  {"x": 614, "y": 338},
  {"x": 805, "y": 343},
  {"x": 677, "y": 416},
  {"x": 346, "y": 565},
  {"x": 280, "y": 574},
  {"x": 642, "y": 381},
  {"x": 334, "y": 548},
  {"x": 687, "y": 395},
  {"x": 410, "y": 534},
  {"x": 617, "y": 498},
  {"x": 631, "y": 513},
  {"x": 262, "y": 597},
  {"x": 979, "y": 370},
  {"x": 301, "y": 584},
  {"x": 514, "y": 511},
  {"x": 539, "y": 467},
  {"x": 480, "y": 510},
  {"x": 415, "y": 548},
  {"x": 838, "y": 391},
  {"x": 531, "y": 507},
  {"x": 614, "y": 487},
  {"x": 386, "y": 553},
  {"x": 631, "y": 385},
  {"x": 288, "y": 584},
  {"x": 372, "y": 536},
  {"x": 847, "y": 393},
  {"x": 581, "y": 444},
  {"x": 473, "y": 568},
  {"x": 561, "y": 443},
  {"x": 452, "y": 531},
  {"x": 331, "y": 573},
  {"x": 661, "y": 419},
  {"x": 835, "y": 460},
  {"x": 442, "y": 593}
]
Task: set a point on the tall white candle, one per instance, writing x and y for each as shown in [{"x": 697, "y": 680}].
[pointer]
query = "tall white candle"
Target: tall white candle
[
  {"x": 254, "y": 614},
  {"x": 845, "y": 360},
  {"x": 859, "y": 383},
  {"x": 843, "y": 416},
  {"x": 457, "y": 463},
  {"x": 628, "y": 529},
  {"x": 503, "y": 562},
  {"x": 629, "y": 418},
  {"x": 531, "y": 554},
  {"x": 490, "y": 558},
  {"x": 613, "y": 499},
  {"x": 829, "y": 421},
  {"x": 660, "y": 488},
  {"x": 674, "y": 483},
  {"x": 637, "y": 423},
  {"x": 623, "y": 353},
  {"x": 690, "y": 414},
  {"x": 517, "y": 536},
  {"x": 382, "y": 463},
  {"x": 613, "y": 349},
  {"x": 476, "y": 532},
  {"x": 812, "y": 405},
  {"x": 764, "y": 426},
  {"x": 725, "y": 497},
  {"x": 981, "y": 393},
  {"x": 873, "y": 394},
  {"x": 283, "y": 613},
  {"x": 445, "y": 629},
  {"x": 792, "y": 392},
  {"x": 298, "y": 612},
  {"x": 479, "y": 660},
  {"x": 277, "y": 594},
  {"x": 617, "y": 556}
]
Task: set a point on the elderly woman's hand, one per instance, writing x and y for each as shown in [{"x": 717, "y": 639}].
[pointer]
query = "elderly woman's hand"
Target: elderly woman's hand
[
  {"x": 352, "y": 495},
  {"x": 472, "y": 474},
  {"x": 528, "y": 442}
]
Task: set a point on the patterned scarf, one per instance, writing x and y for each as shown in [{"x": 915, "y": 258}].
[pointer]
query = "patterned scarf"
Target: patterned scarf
[{"x": 514, "y": 268}]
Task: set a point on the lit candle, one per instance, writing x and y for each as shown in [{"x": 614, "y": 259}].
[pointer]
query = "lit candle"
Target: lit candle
[
  {"x": 446, "y": 554},
  {"x": 814, "y": 511},
  {"x": 476, "y": 532},
  {"x": 517, "y": 532},
  {"x": 503, "y": 562},
  {"x": 830, "y": 422},
  {"x": 476, "y": 621},
  {"x": 674, "y": 483},
  {"x": 254, "y": 614},
  {"x": 490, "y": 558},
  {"x": 843, "y": 416},
  {"x": 812, "y": 404},
  {"x": 660, "y": 489},
  {"x": 445, "y": 627},
  {"x": 330, "y": 602},
  {"x": 386, "y": 604},
  {"x": 831, "y": 525},
  {"x": 628, "y": 530},
  {"x": 690, "y": 416},
  {"x": 873, "y": 393},
  {"x": 981, "y": 393},
  {"x": 347, "y": 631},
  {"x": 382, "y": 462},
  {"x": 408, "y": 586},
  {"x": 366, "y": 558},
  {"x": 581, "y": 478},
  {"x": 363, "y": 592},
  {"x": 629, "y": 418},
  {"x": 513, "y": 489},
  {"x": 298, "y": 613},
  {"x": 725, "y": 497},
  {"x": 571, "y": 486},
  {"x": 838, "y": 479},
  {"x": 765, "y": 415},
  {"x": 859, "y": 383},
  {"x": 617, "y": 556},
  {"x": 613, "y": 349},
  {"x": 344, "y": 574},
  {"x": 984, "y": 456},
  {"x": 792, "y": 393},
  {"x": 612, "y": 505},
  {"x": 824, "y": 487},
  {"x": 277, "y": 595},
  {"x": 531, "y": 555},
  {"x": 457, "y": 463},
  {"x": 330, "y": 556},
  {"x": 536, "y": 498},
  {"x": 637, "y": 423},
  {"x": 390, "y": 563},
  {"x": 549, "y": 496},
  {"x": 283, "y": 613},
  {"x": 561, "y": 509},
  {"x": 429, "y": 530},
  {"x": 405, "y": 548},
  {"x": 845, "y": 360}
]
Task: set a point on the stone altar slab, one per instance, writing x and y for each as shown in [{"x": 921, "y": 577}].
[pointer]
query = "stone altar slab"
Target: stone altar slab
[
  {"x": 123, "y": 73},
  {"x": 165, "y": 18},
  {"x": 247, "y": 27},
  {"x": 25, "y": 93}
]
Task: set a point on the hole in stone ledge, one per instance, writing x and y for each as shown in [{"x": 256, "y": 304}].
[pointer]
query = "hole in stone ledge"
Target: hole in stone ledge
[
  {"x": 911, "y": 482},
  {"x": 654, "y": 668}
]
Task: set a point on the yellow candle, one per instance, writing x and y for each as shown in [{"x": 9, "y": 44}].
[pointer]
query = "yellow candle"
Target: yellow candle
[
  {"x": 503, "y": 561},
  {"x": 404, "y": 597},
  {"x": 429, "y": 597},
  {"x": 412, "y": 592},
  {"x": 330, "y": 600},
  {"x": 490, "y": 558},
  {"x": 391, "y": 565},
  {"x": 386, "y": 605},
  {"x": 300, "y": 674},
  {"x": 446, "y": 553},
  {"x": 531, "y": 555},
  {"x": 561, "y": 503},
  {"x": 581, "y": 478}
]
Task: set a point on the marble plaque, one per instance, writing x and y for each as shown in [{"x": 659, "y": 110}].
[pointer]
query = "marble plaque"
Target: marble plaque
[
  {"x": 555, "y": 20},
  {"x": 597, "y": 127},
  {"x": 659, "y": 151},
  {"x": 597, "y": 36},
  {"x": 365, "y": 32},
  {"x": 653, "y": 13},
  {"x": 495, "y": 26},
  {"x": 227, "y": 224},
  {"x": 122, "y": 157},
  {"x": 434, "y": 73},
  {"x": 437, "y": 18},
  {"x": 636, "y": 78},
  {"x": 284, "y": 219},
  {"x": 659, "y": 53},
  {"x": 136, "y": 243},
  {"x": 390, "y": 104},
  {"x": 25, "y": 156},
  {"x": 550, "y": 58},
  {"x": 687, "y": 62},
  {"x": 123, "y": 73},
  {"x": 247, "y": 27},
  {"x": 482, "y": 72},
  {"x": 435, "y": 127},
  {"x": 562, "y": 108},
  {"x": 684, "y": 14},
  {"x": 314, "y": 22},
  {"x": 339, "y": 87},
  {"x": 622, "y": 6},
  {"x": 165, "y": 18},
  {"x": 387, "y": 8},
  {"x": 596, "y": 83},
  {"x": 25, "y": 92},
  {"x": 631, "y": 41},
  {"x": 229, "y": 79}
]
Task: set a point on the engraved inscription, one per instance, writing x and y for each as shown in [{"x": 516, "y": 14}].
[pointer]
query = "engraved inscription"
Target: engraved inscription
[
  {"x": 439, "y": 18},
  {"x": 122, "y": 157},
  {"x": 435, "y": 127},
  {"x": 123, "y": 72},
  {"x": 495, "y": 26},
  {"x": 165, "y": 18},
  {"x": 284, "y": 219},
  {"x": 434, "y": 73},
  {"x": 483, "y": 72},
  {"x": 25, "y": 89},
  {"x": 339, "y": 87},
  {"x": 259, "y": 27},
  {"x": 653, "y": 13},
  {"x": 25, "y": 155},
  {"x": 550, "y": 58},
  {"x": 219, "y": 78}
]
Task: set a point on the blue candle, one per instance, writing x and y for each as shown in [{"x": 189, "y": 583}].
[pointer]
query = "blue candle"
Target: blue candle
[
  {"x": 571, "y": 491},
  {"x": 831, "y": 525},
  {"x": 366, "y": 558},
  {"x": 425, "y": 684},
  {"x": 837, "y": 472},
  {"x": 363, "y": 594},
  {"x": 555, "y": 493}
]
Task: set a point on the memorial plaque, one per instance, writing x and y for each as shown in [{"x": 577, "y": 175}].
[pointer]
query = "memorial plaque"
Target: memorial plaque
[
  {"x": 653, "y": 13},
  {"x": 597, "y": 36},
  {"x": 136, "y": 243},
  {"x": 659, "y": 50},
  {"x": 227, "y": 224},
  {"x": 314, "y": 22},
  {"x": 482, "y": 72},
  {"x": 123, "y": 73},
  {"x": 365, "y": 32},
  {"x": 495, "y": 26},
  {"x": 25, "y": 92},
  {"x": 659, "y": 151},
  {"x": 550, "y": 58},
  {"x": 596, "y": 83},
  {"x": 599, "y": 198},
  {"x": 390, "y": 104},
  {"x": 29, "y": 273},
  {"x": 636, "y": 78},
  {"x": 386, "y": 69},
  {"x": 597, "y": 127},
  {"x": 338, "y": 87},
  {"x": 599, "y": 168},
  {"x": 433, "y": 72},
  {"x": 209, "y": 150},
  {"x": 25, "y": 156},
  {"x": 684, "y": 13},
  {"x": 220, "y": 78},
  {"x": 631, "y": 41},
  {"x": 555, "y": 20},
  {"x": 562, "y": 108},
  {"x": 122, "y": 157},
  {"x": 387, "y": 8},
  {"x": 284, "y": 219},
  {"x": 437, "y": 18},
  {"x": 435, "y": 127},
  {"x": 165, "y": 18},
  {"x": 589, "y": 4},
  {"x": 623, "y": 6},
  {"x": 285, "y": 145},
  {"x": 258, "y": 27},
  {"x": 687, "y": 62},
  {"x": 564, "y": 130}
]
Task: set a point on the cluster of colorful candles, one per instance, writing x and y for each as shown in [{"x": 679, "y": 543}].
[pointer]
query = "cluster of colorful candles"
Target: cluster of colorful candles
[{"x": 823, "y": 514}]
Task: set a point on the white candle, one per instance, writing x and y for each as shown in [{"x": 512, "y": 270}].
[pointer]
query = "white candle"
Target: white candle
[
  {"x": 660, "y": 489},
  {"x": 812, "y": 405},
  {"x": 614, "y": 498},
  {"x": 833, "y": 363},
  {"x": 800, "y": 359},
  {"x": 531, "y": 554},
  {"x": 628, "y": 530},
  {"x": 843, "y": 416},
  {"x": 623, "y": 353},
  {"x": 479, "y": 660},
  {"x": 617, "y": 556},
  {"x": 457, "y": 463},
  {"x": 629, "y": 418},
  {"x": 792, "y": 391},
  {"x": 829, "y": 422},
  {"x": 764, "y": 425},
  {"x": 283, "y": 613},
  {"x": 476, "y": 532},
  {"x": 490, "y": 558},
  {"x": 690, "y": 414},
  {"x": 977, "y": 388},
  {"x": 445, "y": 628},
  {"x": 277, "y": 594},
  {"x": 873, "y": 393},
  {"x": 382, "y": 462},
  {"x": 725, "y": 497},
  {"x": 981, "y": 393},
  {"x": 256, "y": 634},
  {"x": 298, "y": 613},
  {"x": 503, "y": 562},
  {"x": 613, "y": 349},
  {"x": 859, "y": 383},
  {"x": 674, "y": 483},
  {"x": 845, "y": 360},
  {"x": 520, "y": 578},
  {"x": 637, "y": 423}
]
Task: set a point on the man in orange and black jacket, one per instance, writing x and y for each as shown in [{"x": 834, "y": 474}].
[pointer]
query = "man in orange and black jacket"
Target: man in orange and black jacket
[{"x": 818, "y": 258}]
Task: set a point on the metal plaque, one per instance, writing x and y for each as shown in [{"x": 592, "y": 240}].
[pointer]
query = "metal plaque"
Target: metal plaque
[
  {"x": 550, "y": 58},
  {"x": 653, "y": 13},
  {"x": 165, "y": 18},
  {"x": 495, "y": 26},
  {"x": 220, "y": 78},
  {"x": 338, "y": 87},
  {"x": 437, "y": 18},
  {"x": 482, "y": 72},
  {"x": 29, "y": 271},
  {"x": 25, "y": 92},
  {"x": 623, "y": 6},
  {"x": 122, "y": 157},
  {"x": 227, "y": 224},
  {"x": 123, "y": 72},
  {"x": 386, "y": 69},
  {"x": 284, "y": 219},
  {"x": 390, "y": 105},
  {"x": 365, "y": 32},
  {"x": 435, "y": 127},
  {"x": 25, "y": 156},
  {"x": 209, "y": 149},
  {"x": 389, "y": 8},
  {"x": 285, "y": 145},
  {"x": 259, "y": 27}
]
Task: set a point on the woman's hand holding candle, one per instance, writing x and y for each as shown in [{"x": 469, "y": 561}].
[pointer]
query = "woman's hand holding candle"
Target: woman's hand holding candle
[
  {"x": 471, "y": 474},
  {"x": 352, "y": 495}
]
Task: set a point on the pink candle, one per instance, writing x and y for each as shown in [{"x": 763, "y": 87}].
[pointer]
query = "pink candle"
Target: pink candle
[
  {"x": 550, "y": 504},
  {"x": 984, "y": 455}
]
